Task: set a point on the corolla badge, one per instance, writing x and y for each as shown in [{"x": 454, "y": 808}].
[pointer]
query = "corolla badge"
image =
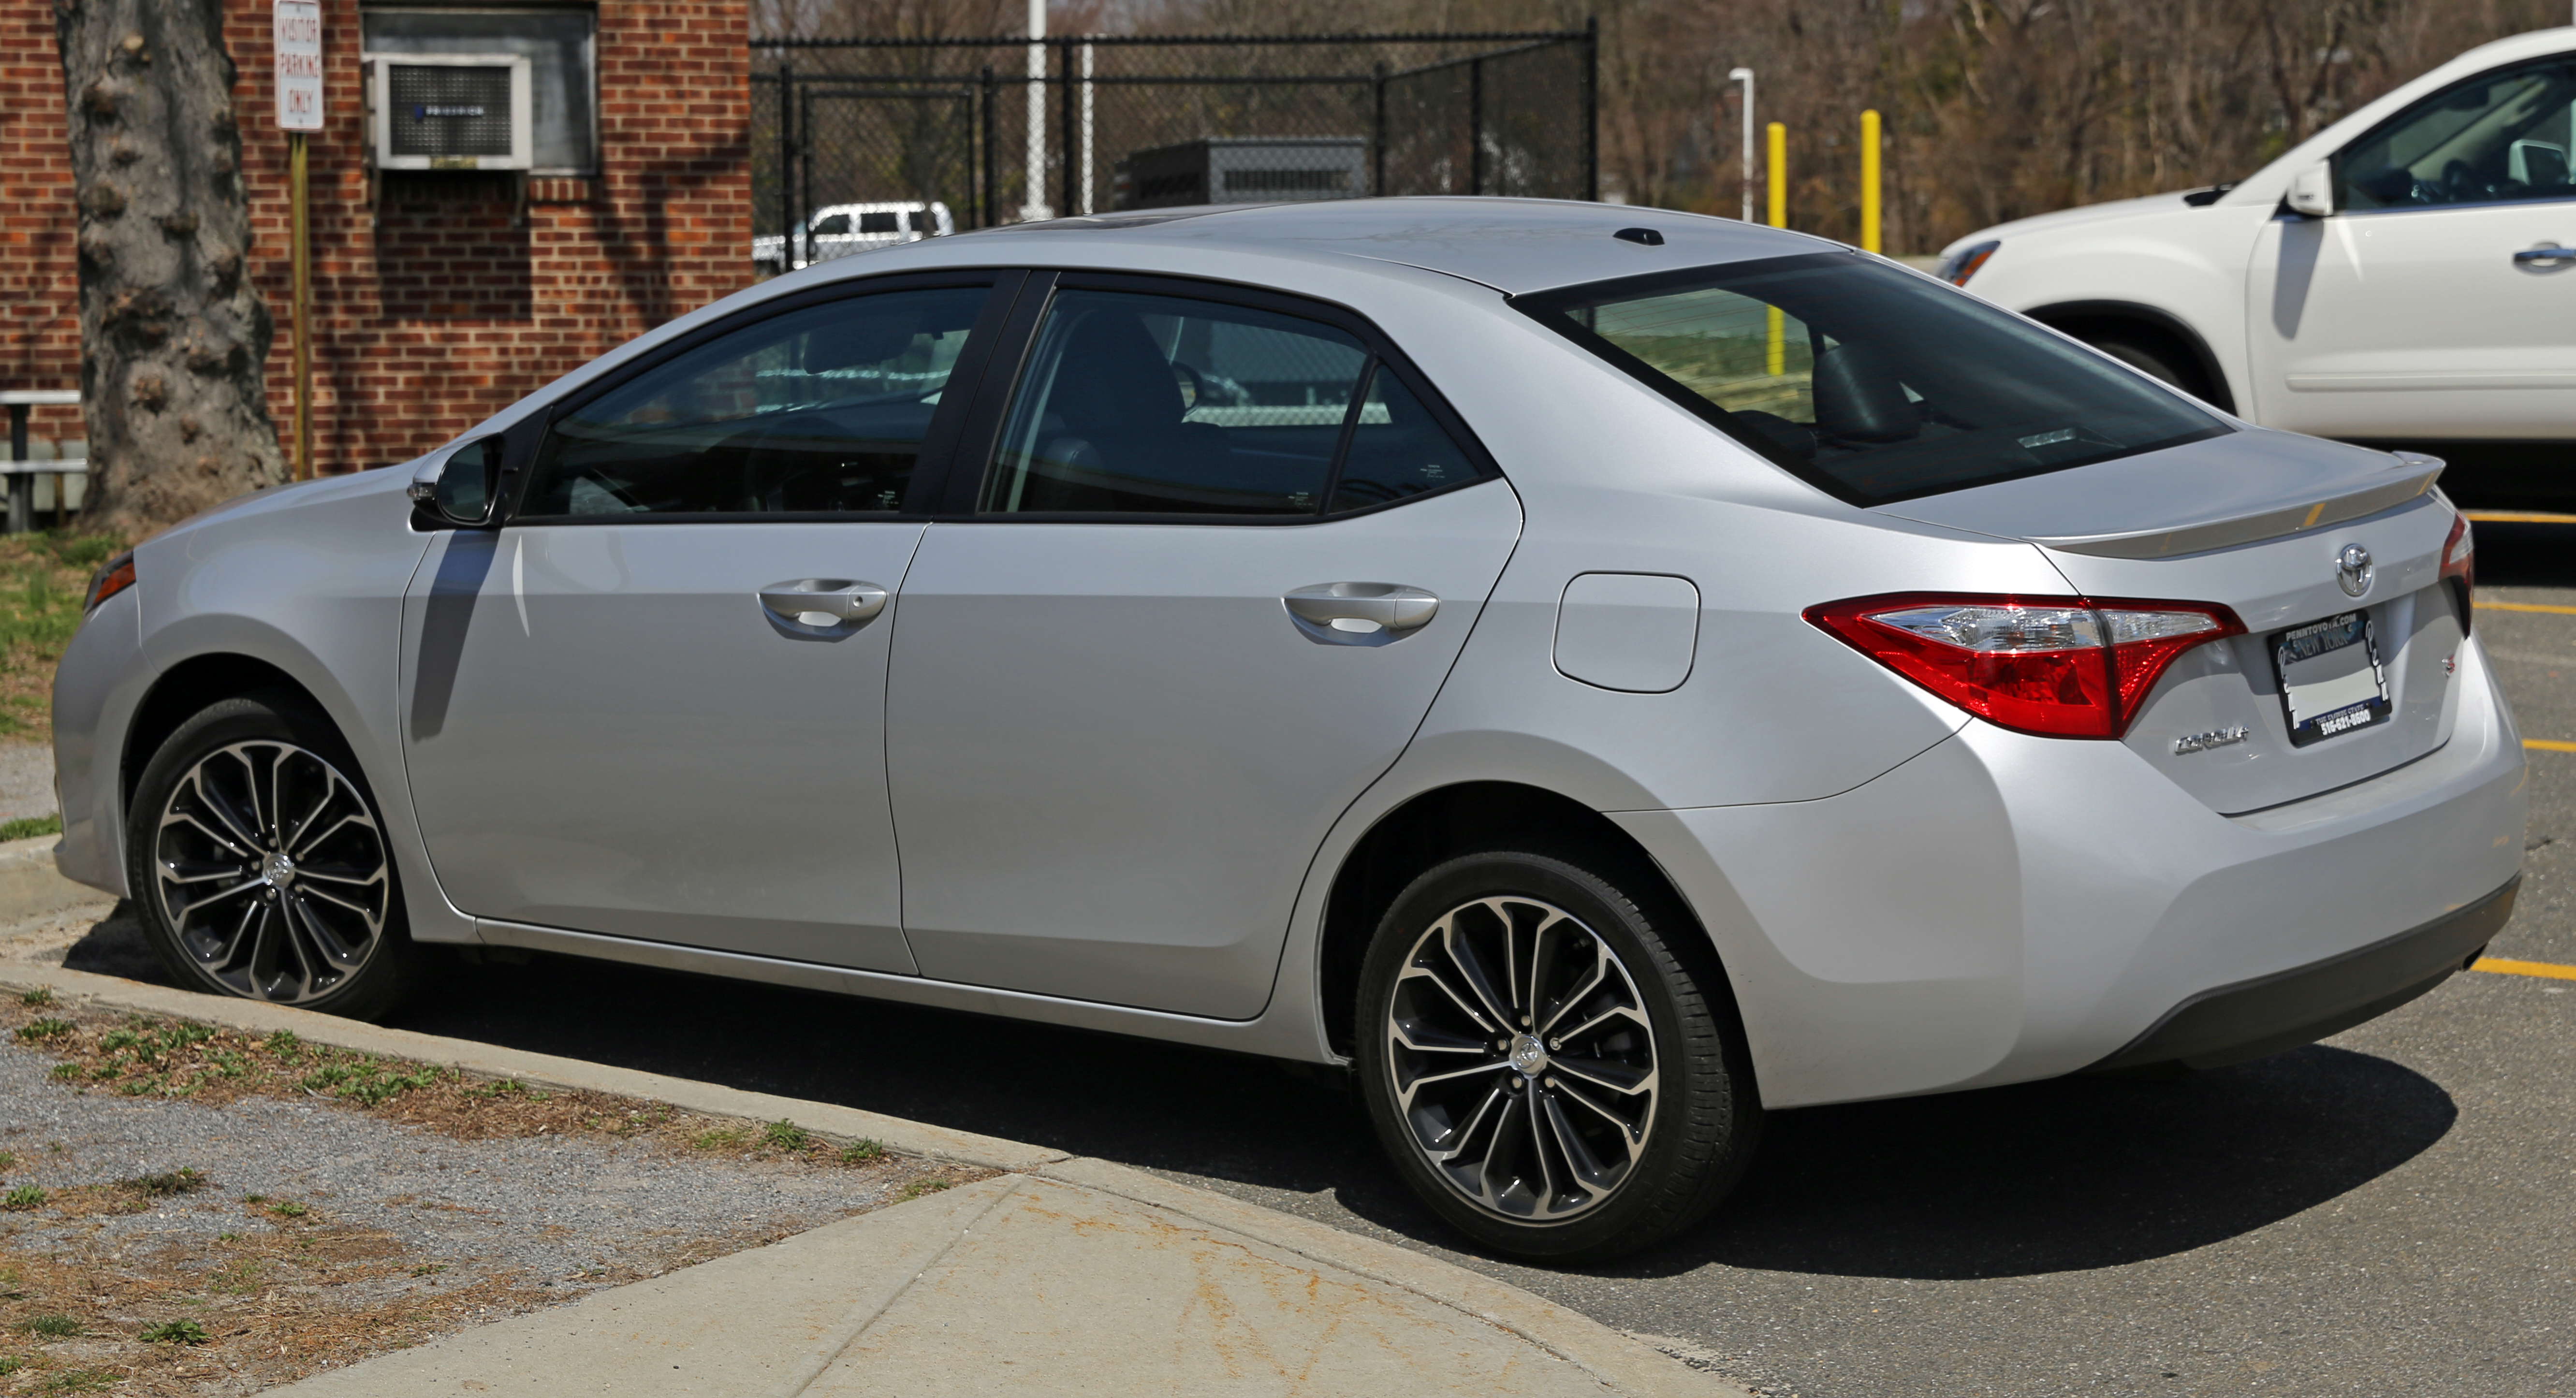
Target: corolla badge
[
  {"x": 2203, "y": 742},
  {"x": 2352, "y": 570}
]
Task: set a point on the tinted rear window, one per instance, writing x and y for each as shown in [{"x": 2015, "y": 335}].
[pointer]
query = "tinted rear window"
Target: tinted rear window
[{"x": 1868, "y": 381}]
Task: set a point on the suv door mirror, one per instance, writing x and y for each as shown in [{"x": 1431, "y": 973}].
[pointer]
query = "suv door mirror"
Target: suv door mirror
[
  {"x": 2312, "y": 191},
  {"x": 461, "y": 485}
]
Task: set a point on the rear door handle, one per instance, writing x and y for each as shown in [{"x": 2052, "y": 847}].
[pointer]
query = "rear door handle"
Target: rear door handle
[
  {"x": 2529, "y": 257},
  {"x": 822, "y": 604},
  {"x": 1359, "y": 613}
]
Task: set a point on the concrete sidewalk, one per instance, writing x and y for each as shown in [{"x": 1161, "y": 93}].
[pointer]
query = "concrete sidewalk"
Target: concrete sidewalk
[
  {"x": 1062, "y": 1275},
  {"x": 1028, "y": 1283}
]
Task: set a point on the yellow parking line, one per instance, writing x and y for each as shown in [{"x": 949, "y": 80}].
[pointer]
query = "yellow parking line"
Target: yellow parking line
[
  {"x": 2544, "y": 969},
  {"x": 2518, "y": 517},
  {"x": 2548, "y": 745},
  {"x": 2486, "y": 606}
]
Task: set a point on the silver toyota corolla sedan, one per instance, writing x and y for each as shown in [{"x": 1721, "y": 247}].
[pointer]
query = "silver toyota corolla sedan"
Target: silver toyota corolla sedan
[{"x": 1599, "y": 674}]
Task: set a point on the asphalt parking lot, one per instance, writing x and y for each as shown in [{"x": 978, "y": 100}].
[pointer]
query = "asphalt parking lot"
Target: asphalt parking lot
[{"x": 2392, "y": 1210}]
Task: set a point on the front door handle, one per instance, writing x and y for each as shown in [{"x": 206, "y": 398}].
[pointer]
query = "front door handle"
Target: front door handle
[
  {"x": 1358, "y": 613},
  {"x": 821, "y": 604},
  {"x": 2533, "y": 257}
]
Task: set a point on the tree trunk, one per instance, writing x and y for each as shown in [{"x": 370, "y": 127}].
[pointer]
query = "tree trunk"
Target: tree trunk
[{"x": 173, "y": 336}]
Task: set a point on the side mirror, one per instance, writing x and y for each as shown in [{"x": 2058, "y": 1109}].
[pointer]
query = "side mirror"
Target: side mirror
[
  {"x": 461, "y": 484},
  {"x": 2312, "y": 191}
]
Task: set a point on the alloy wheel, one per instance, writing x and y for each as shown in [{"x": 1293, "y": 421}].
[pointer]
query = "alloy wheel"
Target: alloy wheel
[
  {"x": 1522, "y": 1059},
  {"x": 271, "y": 871}
]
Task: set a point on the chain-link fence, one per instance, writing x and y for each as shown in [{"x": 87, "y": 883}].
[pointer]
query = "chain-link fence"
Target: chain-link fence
[{"x": 861, "y": 141}]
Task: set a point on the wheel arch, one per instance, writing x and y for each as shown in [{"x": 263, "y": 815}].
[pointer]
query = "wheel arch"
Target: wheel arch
[
  {"x": 181, "y": 691},
  {"x": 1445, "y": 821},
  {"x": 2085, "y": 319}
]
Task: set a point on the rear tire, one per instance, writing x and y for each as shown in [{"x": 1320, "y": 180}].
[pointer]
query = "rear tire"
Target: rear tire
[
  {"x": 1551, "y": 1066},
  {"x": 258, "y": 863}
]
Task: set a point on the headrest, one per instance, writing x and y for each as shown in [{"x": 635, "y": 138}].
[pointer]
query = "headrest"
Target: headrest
[{"x": 1859, "y": 399}]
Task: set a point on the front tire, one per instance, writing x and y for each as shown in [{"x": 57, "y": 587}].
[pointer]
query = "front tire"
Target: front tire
[
  {"x": 1554, "y": 1069},
  {"x": 259, "y": 866},
  {"x": 2157, "y": 361}
]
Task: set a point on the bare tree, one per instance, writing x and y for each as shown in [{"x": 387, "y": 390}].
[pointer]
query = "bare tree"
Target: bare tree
[{"x": 173, "y": 336}]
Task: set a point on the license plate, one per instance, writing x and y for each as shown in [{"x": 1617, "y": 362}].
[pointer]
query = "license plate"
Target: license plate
[{"x": 2331, "y": 680}]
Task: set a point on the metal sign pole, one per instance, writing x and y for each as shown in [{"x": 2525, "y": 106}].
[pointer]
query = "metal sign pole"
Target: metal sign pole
[
  {"x": 297, "y": 174},
  {"x": 296, "y": 27}
]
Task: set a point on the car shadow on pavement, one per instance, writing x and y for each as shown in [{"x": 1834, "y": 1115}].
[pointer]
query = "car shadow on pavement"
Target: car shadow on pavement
[
  {"x": 2044, "y": 1177},
  {"x": 2065, "y": 1175},
  {"x": 2526, "y": 555}
]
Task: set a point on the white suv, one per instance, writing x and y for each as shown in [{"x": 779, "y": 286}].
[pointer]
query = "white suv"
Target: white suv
[
  {"x": 841, "y": 229},
  {"x": 2406, "y": 277}
]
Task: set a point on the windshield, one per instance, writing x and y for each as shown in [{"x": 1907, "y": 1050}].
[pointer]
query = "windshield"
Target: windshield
[{"x": 1870, "y": 382}]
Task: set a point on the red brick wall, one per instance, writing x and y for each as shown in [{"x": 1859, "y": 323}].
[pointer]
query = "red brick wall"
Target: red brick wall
[
  {"x": 444, "y": 302},
  {"x": 39, "y": 275}
]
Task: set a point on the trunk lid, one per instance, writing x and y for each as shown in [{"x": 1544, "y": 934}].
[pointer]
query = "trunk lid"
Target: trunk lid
[{"x": 2259, "y": 521}]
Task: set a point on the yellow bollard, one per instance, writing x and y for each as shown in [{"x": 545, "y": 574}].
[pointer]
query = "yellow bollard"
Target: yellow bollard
[
  {"x": 1775, "y": 164},
  {"x": 1776, "y": 167},
  {"x": 1869, "y": 141}
]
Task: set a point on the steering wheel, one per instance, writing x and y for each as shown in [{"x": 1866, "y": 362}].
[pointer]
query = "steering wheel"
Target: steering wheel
[{"x": 2460, "y": 183}]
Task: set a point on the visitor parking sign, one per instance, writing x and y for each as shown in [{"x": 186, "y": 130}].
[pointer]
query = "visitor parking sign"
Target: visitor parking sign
[{"x": 298, "y": 29}]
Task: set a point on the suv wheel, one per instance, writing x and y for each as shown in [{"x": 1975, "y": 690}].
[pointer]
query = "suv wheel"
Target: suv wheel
[
  {"x": 259, "y": 865},
  {"x": 2156, "y": 361},
  {"x": 1542, "y": 1063}
]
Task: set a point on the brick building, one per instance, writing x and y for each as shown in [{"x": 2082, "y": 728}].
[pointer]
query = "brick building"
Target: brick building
[{"x": 438, "y": 296}]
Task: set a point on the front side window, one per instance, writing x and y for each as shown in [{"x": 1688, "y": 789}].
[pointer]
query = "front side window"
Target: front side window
[
  {"x": 817, "y": 410},
  {"x": 1870, "y": 382},
  {"x": 2500, "y": 138},
  {"x": 1148, "y": 404}
]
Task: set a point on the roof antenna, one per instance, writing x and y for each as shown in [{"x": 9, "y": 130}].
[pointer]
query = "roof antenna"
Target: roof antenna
[{"x": 1645, "y": 236}]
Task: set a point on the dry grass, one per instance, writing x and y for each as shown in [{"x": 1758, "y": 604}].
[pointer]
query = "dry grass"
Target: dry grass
[
  {"x": 43, "y": 577},
  {"x": 293, "y": 1289}
]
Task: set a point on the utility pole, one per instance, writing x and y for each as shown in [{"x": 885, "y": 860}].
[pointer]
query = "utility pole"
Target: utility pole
[
  {"x": 1745, "y": 76},
  {"x": 1033, "y": 206}
]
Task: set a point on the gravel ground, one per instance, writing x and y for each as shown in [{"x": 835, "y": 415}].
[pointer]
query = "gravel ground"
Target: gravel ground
[
  {"x": 26, "y": 780},
  {"x": 313, "y": 1233}
]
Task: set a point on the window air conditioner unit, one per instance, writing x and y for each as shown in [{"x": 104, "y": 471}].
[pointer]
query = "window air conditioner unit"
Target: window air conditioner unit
[{"x": 436, "y": 111}]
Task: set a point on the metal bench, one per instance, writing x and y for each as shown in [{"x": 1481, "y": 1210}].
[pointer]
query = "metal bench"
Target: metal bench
[{"x": 22, "y": 472}]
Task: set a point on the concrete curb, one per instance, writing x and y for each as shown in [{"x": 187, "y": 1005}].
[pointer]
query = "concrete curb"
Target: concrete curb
[
  {"x": 1618, "y": 1362},
  {"x": 30, "y": 887},
  {"x": 544, "y": 1070}
]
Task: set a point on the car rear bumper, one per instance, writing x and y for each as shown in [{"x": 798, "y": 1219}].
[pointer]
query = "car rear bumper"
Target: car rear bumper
[
  {"x": 2005, "y": 907},
  {"x": 2270, "y": 1013}
]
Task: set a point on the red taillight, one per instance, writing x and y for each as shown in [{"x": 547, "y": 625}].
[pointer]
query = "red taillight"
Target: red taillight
[
  {"x": 2063, "y": 667},
  {"x": 2460, "y": 567},
  {"x": 110, "y": 580}
]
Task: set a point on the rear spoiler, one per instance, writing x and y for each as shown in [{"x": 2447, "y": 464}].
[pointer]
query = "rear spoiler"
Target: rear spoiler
[{"x": 2419, "y": 473}]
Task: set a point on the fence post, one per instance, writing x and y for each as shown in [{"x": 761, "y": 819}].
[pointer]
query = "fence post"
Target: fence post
[
  {"x": 1064, "y": 119},
  {"x": 987, "y": 193},
  {"x": 786, "y": 163},
  {"x": 1377, "y": 133},
  {"x": 1592, "y": 108},
  {"x": 1476, "y": 126},
  {"x": 805, "y": 171}
]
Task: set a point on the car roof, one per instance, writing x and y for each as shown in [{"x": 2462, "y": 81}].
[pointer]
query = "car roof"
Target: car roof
[{"x": 1512, "y": 245}]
